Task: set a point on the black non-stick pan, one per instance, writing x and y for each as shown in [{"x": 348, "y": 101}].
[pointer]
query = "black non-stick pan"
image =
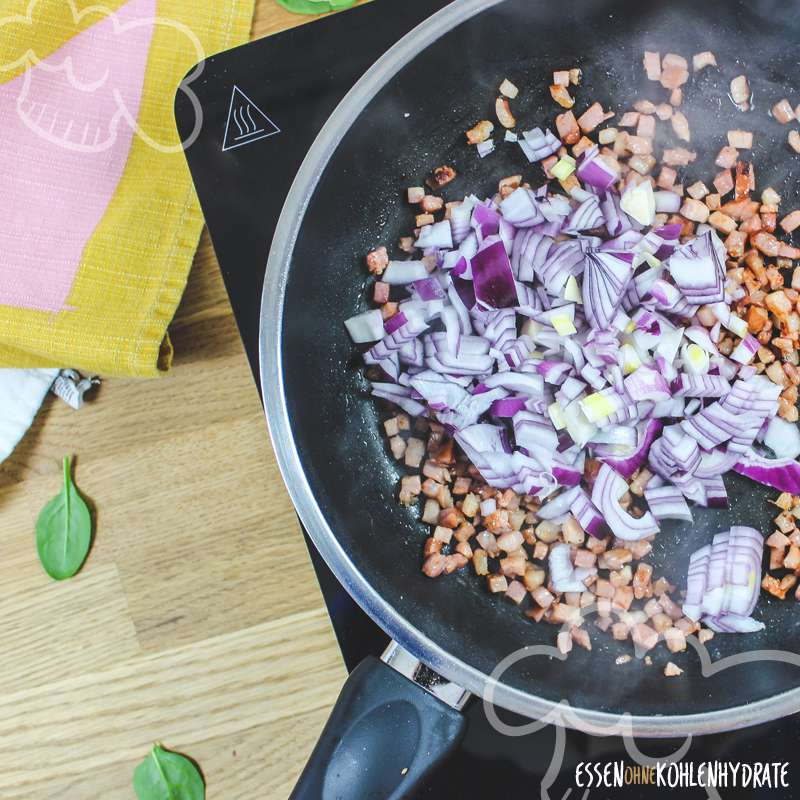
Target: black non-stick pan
[{"x": 407, "y": 115}]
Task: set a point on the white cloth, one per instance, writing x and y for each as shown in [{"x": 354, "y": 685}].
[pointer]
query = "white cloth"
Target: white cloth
[{"x": 22, "y": 392}]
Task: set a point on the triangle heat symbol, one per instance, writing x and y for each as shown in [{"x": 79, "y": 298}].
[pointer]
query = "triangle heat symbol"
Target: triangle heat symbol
[{"x": 246, "y": 122}]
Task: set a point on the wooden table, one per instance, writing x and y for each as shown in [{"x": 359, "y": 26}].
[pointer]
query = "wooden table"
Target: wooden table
[{"x": 197, "y": 620}]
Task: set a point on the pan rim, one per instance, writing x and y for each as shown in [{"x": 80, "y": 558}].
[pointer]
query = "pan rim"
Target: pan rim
[{"x": 300, "y": 491}]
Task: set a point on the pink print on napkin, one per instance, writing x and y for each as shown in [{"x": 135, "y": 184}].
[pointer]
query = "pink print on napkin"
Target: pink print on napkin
[{"x": 64, "y": 142}]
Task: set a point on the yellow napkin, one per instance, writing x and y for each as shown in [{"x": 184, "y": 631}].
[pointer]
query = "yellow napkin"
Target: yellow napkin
[{"x": 98, "y": 217}]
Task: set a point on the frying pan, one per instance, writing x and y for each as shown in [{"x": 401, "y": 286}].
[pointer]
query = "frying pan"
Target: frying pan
[{"x": 405, "y": 116}]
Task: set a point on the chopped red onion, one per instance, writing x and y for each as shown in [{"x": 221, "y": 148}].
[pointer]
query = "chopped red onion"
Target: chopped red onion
[
  {"x": 606, "y": 493},
  {"x": 667, "y": 502}
]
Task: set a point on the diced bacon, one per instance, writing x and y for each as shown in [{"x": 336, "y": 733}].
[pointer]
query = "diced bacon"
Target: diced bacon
[
  {"x": 713, "y": 202},
  {"x": 441, "y": 176},
  {"x": 644, "y": 636},
  {"x": 388, "y": 310},
  {"x": 564, "y": 642},
  {"x": 415, "y": 194},
  {"x": 676, "y": 97},
  {"x": 642, "y": 164},
  {"x": 584, "y": 143},
  {"x": 766, "y": 243},
  {"x": 644, "y": 107},
  {"x": 434, "y": 565},
  {"x": 697, "y": 190},
  {"x": 740, "y": 209},
  {"x": 687, "y": 625},
  {"x": 740, "y": 92},
  {"x": 722, "y": 222},
  {"x": 674, "y": 71},
  {"x": 646, "y": 127},
  {"x": 794, "y": 140},
  {"x": 503, "y": 112},
  {"x": 791, "y": 221},
  {"x": 672, "y": 670},
  {"x": 666, "y": 178},
  {"x": 581, "y": 637},
  {"x": 431, "y": 203},
  {"x": 727, "y": 157},
  {"x": 783, "y": 111},
  {"x": 547, "y": 164},
  {"x": 377, "y": 261},
  {"x": 496, "y": 583},
  {"x": 561, "y": 96},
  {"x": 694, "y": 210},
  {"x": 741, "y": 182},
  {"x": 592, "y": 117},
  {"x": 703, "y": 60},
  {"x": 415, "y": 452},
  {"x": 723, "y": 183},
  {"x": 652, "y": 65},
  {"x": 787, "y": 251},
  {"x": 751, "y": 224},
  {"x": 675, "y": 639},
  {"x": 678, "y": 157},
  {"x": 509, "y": 184},
  {"x": 742, "y": 140},
  {"x": 542, "y": 597},
  {"x": 453, "y": 562},
  {"x": 619, "y": 630},
  {"x": 561, "y": 77},
  {"x": 567, "y": 127},
  {"x": 629, "y": 119},
  {"x": 442, "y": 534},
  {"x": 664, "y": 111},
  {"x": 638, "y": 145},
  {"x": 607, "y": 135},
  {"x": 380, "y": 293},
  {"x": 681, "y": 126},
  {"x": 735, "y": 243},
  {"x": 516, "y": 592},
  {"x": 480, "y": 133}
]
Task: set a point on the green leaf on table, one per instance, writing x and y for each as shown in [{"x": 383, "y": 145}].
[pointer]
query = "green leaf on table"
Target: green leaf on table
[
  {"x": 314, "y": 6},
  {"x": 64, "y": 531},
  {"x": 165, "y": 775}
]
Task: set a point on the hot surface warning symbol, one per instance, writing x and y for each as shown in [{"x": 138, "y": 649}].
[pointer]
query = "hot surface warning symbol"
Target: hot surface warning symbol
[{"x": 246, "y": 122}]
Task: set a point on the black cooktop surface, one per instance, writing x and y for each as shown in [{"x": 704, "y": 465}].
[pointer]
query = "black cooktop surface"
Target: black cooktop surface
[{"x": 261, "y": 107}]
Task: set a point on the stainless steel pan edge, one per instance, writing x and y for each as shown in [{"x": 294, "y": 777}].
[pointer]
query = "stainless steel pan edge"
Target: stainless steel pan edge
[{"x": 270, "y": 357}]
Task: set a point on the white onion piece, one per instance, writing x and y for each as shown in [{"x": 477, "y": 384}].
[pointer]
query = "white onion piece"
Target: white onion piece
[
  {"x": 440, "y": 234},
  {"x": 563, "y": 575},
  {"x": 783, "y": 438},
  {"x": 723, "y": 578},
  {"x": 559, "y": 506},
  {"x": 639, "y": 202},
  {"x": 366, "y": 327},
  {"x": 733, "y": 623},
  {"x": 667, "y": 202},
  {"x": 399, "y": 273}
]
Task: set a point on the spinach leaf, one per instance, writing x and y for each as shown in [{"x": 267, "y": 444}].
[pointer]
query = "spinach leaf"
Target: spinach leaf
[
  {"x": 64, "y": 531},
  {"x": 165, "y": 775},
  {"x": 314, "y": 6}
]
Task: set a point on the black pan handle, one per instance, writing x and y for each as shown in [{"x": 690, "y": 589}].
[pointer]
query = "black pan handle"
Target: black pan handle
[{"x": 385, "y": 735}]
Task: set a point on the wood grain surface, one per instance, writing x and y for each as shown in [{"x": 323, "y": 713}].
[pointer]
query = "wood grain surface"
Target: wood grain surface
[{"x": 184, "y": 626}]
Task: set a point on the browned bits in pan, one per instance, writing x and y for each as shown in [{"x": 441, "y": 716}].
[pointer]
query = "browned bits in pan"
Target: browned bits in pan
[{"x": 441, "y": 176}]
